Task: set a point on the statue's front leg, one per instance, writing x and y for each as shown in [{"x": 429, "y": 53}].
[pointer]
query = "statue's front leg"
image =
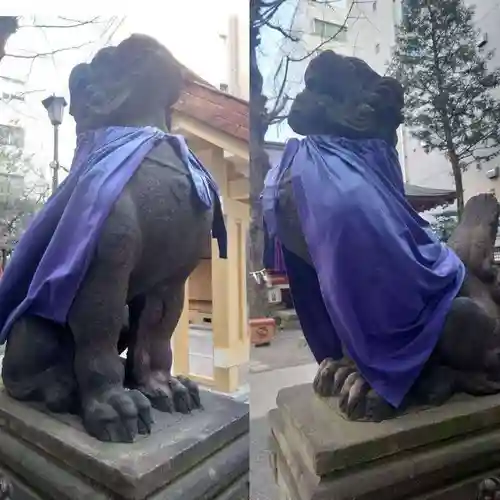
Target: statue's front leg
[
  {"x": 357, "y": 400},
  {"x": 154, "y": 318},
  {"x": 109, "y": 411}
]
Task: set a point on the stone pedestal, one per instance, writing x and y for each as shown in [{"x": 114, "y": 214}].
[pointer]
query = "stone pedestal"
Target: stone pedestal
[
  {"x": 187, "y": 457},
  {"x": 432, "y": 454}
]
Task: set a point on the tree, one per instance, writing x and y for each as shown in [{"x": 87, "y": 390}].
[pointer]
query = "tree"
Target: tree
[
  {"x": 444, "y": 224},
  {"x": 265, "y": 111},
  {"x": 23, "y": 190},
  {"x": 443, "y": 66},
  {"x": 9, "y": 25}
]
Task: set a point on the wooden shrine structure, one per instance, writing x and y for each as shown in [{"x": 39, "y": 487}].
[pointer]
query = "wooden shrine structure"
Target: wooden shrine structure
[{"x": 215, "y": 125}]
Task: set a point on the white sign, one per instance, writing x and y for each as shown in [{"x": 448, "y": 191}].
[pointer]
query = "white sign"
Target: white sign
[{"x": 274, "y": 295}]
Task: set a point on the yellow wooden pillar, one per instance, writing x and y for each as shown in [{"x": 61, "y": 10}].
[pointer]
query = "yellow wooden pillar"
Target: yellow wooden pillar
[
  {"x": 229, "y": 323},
  {"x": 180, "y": 339}
]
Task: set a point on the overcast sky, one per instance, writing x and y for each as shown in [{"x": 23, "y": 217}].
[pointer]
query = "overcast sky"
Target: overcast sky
[{"x": 190, "y": 29}]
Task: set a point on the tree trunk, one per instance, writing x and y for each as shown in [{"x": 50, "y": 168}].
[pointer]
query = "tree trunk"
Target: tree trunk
[
  {"x": 259, "y": 165},
  {"x": 457, "y": 176}
]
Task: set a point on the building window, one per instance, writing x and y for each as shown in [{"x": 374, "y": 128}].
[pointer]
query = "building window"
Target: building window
[
  {"x": 11, "y": 136},
  {"x": 374, "y": 6},
  {"x": 327, "y": 30}
]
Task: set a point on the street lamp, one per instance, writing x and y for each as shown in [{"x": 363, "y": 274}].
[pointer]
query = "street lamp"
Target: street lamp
[{"x": 55, "y": 109}]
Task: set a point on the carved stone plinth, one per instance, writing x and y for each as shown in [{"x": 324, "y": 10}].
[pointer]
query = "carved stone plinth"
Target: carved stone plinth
[
  {"x": 437, "y": 453},
  {"x": 199, "y": 456}
]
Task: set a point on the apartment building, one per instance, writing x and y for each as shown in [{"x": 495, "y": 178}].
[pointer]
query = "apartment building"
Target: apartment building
[{"x": 12, "y": 134}]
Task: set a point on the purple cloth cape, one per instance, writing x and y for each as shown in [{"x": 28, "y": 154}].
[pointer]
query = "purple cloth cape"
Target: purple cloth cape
[
  {"x": 382, "y": 283},
  {"x": 53, "y": 255}
]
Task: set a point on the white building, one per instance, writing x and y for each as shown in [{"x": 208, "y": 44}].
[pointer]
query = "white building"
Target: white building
[
  {"x": 370, "y": 35},
  {"x": 235, "y": 39},
  {"x": 12, "y": 134}
]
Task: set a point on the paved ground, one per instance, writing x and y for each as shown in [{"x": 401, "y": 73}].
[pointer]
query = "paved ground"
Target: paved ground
[
  {"x": 287, "y": 361},
  {"x": 288, "y": 349}
]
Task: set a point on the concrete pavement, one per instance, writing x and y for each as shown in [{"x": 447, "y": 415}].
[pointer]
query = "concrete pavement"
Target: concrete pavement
[{"x": 264, "y": 387}]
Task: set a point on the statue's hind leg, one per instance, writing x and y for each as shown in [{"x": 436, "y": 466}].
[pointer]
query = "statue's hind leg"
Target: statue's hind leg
[
  {"x": 154, "y": 318},
  {"x": 467, "y": 343},
  {"x": 38, "y": 364}
]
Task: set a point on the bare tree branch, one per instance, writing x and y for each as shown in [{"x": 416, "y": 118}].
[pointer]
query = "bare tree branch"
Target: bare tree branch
[
  {"x": 75, "y": 24},
  {"x": 330, "y": 39},
  {"x": 48, "y": 54}
]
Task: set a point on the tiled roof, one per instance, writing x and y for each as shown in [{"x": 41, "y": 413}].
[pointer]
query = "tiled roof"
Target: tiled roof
[
  {"x": 423, "y": 198},
  {"x": 213, "y": 107}
]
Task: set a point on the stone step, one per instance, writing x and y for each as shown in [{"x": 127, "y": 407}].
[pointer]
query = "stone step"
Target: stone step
[
  {"x": 196, "y": 456},
  {"x": 318, "y": 455}
]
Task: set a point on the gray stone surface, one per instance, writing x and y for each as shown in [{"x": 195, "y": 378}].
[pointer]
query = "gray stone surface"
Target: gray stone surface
[
  {"x": 288, "y": 349},
  {"x": 264, "y": 387},
  {"x": 440, "y": 480},
  {"x": 327, "y": 442},
  {"x": 440, "y": 453},
  {"x": 184, "y": 455}
]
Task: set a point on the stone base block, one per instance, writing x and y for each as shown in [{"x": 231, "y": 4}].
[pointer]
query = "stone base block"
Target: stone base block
[
  {"x": 204, "y": 455},
  {"x": 433, "y": 454}
]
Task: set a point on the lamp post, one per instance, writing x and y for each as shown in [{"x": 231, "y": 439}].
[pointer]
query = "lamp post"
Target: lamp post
[{"x": 55, "y": 109}]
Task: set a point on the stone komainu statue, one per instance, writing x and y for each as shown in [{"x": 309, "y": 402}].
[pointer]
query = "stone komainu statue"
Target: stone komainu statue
[
  {"x": 393, "y": 317},
  {"x": 125, "y": 229}
]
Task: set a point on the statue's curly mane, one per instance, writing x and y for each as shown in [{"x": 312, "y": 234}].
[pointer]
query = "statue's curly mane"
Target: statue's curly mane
[
  {"x": 343, "y": 96},
  {"x": 124, "y": 83}
]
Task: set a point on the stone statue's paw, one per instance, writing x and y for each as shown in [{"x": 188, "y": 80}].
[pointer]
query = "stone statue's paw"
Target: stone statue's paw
[
  {"x": 117, "y": 415},
  {"x": 331, "y": 376},
  {"x": 169, "y": 394},
  {"x": 359, "y": 402},
  {"x": 194, "y": 400},
  {"x": 489, "y": 489}
]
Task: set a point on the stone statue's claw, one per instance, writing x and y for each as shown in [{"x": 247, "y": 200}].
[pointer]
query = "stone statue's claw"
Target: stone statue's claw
[
  {"x": 331, "y": 376},
  {"x": 169, "y": 394},
  {"x": 377, "y": 409},
  {"x": 194, "y": 392},
  {"x": 117, "y": 415},
  {"x": 183, "y": 402},
  {"x": 489, "y": 489},
  {"x": 359, "y": 402},
  {"x": 352, "y": 396}
]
